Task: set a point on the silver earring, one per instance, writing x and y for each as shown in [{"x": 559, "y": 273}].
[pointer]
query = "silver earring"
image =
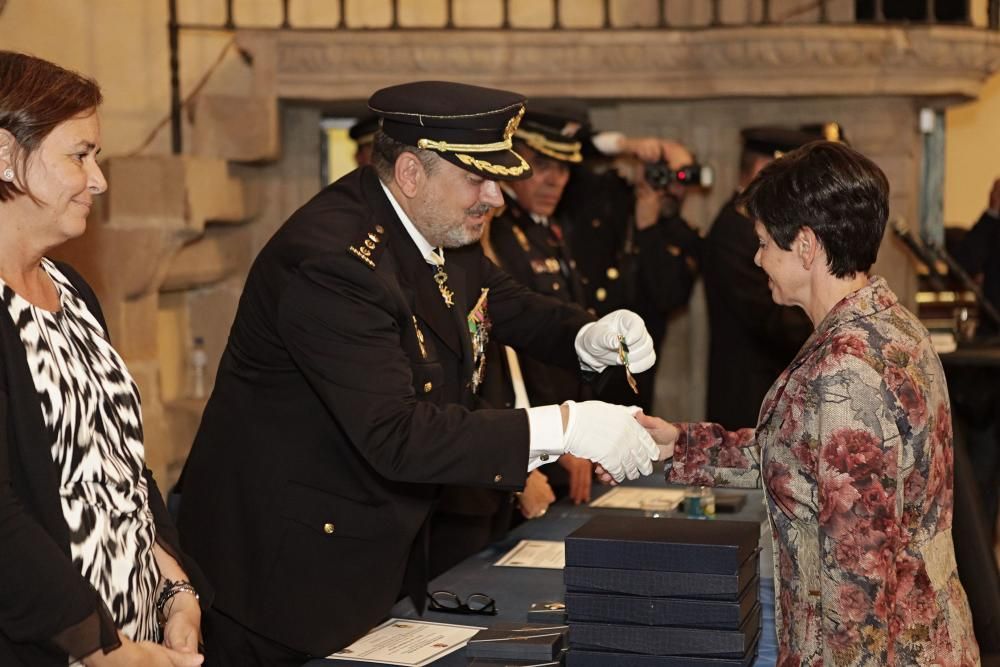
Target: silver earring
[{"x": 8, "y": 174}]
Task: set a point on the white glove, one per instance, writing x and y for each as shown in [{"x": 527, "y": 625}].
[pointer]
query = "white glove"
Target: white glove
[
  {"x": 597, "y": 342},
  {"x": 609, "y": 435}
]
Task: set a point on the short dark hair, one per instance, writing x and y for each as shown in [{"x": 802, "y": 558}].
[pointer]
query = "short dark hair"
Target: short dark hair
[
  {"x": 35, "y": 97},
  {"x": 386, "y": 150},
  {"x": 832, "y": 189}
]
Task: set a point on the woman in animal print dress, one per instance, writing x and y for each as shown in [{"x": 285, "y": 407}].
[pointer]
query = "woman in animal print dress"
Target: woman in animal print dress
[{"x": 87, "y": 548}]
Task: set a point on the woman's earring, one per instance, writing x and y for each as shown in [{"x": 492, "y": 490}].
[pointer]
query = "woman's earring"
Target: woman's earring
[{"x": 8, "y": 174}]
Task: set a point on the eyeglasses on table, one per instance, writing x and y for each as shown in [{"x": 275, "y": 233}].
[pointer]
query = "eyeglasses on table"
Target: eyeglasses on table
[{"x": 450, "y": 603}]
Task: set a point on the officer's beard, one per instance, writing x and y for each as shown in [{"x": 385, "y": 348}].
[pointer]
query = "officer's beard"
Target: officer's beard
[{"x": 452, "y": 233}]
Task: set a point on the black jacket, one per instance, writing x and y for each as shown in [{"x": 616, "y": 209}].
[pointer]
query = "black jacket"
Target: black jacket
[
  {"x": 48, "y": 610},
  {"x": 752, "y": 339},
  {"x": 979, "y": 254},
  {"x": 341, "y": 404}
]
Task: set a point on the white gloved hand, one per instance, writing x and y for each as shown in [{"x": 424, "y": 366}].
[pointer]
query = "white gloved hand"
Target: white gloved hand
[
  {"x": 597, "y": 342},
  {"x": 609, "y": 435}
]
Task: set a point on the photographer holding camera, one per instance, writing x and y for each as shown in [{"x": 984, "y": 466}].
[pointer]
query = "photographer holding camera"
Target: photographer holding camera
[{"x": 632, "y": 247}]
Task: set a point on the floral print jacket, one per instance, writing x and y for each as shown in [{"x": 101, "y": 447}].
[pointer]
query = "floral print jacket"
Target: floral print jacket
[{"x": 854, "y": 445}]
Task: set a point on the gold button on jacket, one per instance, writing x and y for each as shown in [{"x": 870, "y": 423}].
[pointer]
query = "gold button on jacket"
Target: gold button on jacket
[{"x": 328, "y": 528}]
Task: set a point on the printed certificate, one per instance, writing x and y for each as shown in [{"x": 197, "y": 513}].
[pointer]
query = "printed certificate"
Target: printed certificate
[
  {"x": 400, "y": 641},
  {"x": 640, "y": 498},
  {"x": 535, "y": 553}
]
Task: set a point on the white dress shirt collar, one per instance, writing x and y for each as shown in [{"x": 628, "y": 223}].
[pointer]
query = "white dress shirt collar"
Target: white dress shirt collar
[{"x": 427, "y": 251}]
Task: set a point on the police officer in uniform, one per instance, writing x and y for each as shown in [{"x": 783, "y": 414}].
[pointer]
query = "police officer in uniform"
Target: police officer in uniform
[
  {"x": 752, "y": 339},
  {"x": 346, "y": 393},
  {"x": 527, "y": 238}
]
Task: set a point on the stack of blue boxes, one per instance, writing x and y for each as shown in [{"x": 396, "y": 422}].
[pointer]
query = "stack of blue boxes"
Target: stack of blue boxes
[{"x": 652, "y": 592}]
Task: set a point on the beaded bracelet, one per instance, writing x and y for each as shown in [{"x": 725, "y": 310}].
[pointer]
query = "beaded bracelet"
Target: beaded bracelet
[{"x": 169, "y": 590}]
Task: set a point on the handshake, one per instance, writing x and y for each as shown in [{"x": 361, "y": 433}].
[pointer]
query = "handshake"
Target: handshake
[{"x": 611, "y": 436}]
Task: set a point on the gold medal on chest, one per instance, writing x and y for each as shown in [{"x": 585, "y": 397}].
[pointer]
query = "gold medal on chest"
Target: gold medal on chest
[{"x": 441, "y": 277}]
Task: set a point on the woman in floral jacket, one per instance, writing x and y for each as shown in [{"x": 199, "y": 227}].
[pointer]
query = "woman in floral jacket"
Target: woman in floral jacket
[{"x": 854, "y": 440}]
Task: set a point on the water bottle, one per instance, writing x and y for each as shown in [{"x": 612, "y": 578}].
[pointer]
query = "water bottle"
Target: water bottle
[
  {"x": 699, "y": 502},
  {"x": 199, "y": 366},
  {"x": 707, "y": 496}
]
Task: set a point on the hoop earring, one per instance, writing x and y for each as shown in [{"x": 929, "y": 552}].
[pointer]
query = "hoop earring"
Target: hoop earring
[{"x": 8, "y": 174}]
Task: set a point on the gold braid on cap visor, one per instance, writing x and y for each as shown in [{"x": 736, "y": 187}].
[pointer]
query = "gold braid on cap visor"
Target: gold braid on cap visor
[
  {"x": 461, "y": 150},
  {"x": 568, "y": 151},
  {"x": 495, "y": 169}
]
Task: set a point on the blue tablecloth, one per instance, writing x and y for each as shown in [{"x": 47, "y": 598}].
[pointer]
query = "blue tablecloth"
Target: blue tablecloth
[{"x": 515, "y": 588}]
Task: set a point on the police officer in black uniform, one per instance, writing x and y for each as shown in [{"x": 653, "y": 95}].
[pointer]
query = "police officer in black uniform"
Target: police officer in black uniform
[
  {"x": 347, "y": 391},
  {"x": 979, "y": 255},
  {"x": 528, "y": 239}
]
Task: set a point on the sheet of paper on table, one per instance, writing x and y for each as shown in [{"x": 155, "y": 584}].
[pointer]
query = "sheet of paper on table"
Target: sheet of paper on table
[
  {"x": 401, "y": 641},
  {"x": 640, "y": 498},
  {"x": 547, "y": 554}
]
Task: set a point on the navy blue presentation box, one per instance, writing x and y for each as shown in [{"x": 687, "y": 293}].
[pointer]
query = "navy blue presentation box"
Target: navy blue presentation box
[
  {"x": 675, "y": 545},
  {"x": 518, "y": 641},
  {"x": 649, "y": 640},
  {"x": 658, "y": 583},
  {"x": 718, "y": 614},
  {"x": 496, "y": 662},
  {"x": 578, "y": 658}
]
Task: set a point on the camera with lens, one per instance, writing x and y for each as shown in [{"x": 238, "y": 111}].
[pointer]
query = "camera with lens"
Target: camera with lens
[{"x": 659, "y": 175}]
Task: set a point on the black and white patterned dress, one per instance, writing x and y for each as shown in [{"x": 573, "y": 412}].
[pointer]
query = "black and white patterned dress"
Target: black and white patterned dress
[{"x": 90, "y": 406}]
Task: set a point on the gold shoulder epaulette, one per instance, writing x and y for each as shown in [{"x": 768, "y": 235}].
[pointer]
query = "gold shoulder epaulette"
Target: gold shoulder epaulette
[{"x": 368, "y": 247}]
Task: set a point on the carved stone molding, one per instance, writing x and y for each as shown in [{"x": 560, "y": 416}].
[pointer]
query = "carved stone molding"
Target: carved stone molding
[{"x": 807, "y": 60}]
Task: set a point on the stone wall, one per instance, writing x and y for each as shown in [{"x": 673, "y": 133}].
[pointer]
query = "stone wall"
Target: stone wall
[{"x": 156, "y": 237}]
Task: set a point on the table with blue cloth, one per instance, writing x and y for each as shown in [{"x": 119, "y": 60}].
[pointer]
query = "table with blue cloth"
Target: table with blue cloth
[{"x": 515, "y": 588}]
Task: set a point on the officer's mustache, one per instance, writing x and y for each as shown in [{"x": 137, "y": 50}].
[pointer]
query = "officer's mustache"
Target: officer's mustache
[{"x": 478, "y": 210}]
